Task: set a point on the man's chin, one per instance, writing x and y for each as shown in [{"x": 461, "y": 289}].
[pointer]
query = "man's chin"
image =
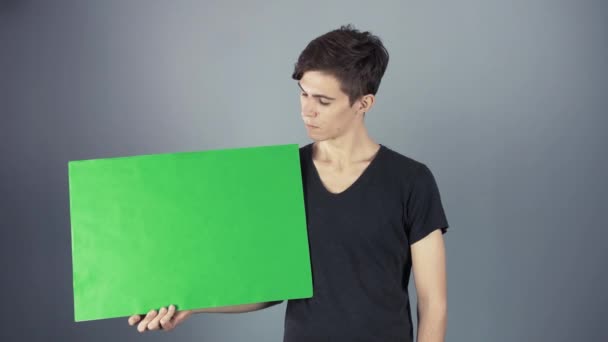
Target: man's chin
[{"x": 316, "y": 138}]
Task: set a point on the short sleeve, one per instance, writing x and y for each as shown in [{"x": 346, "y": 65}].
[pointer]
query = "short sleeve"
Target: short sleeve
[{"x": 423, "y": 208}]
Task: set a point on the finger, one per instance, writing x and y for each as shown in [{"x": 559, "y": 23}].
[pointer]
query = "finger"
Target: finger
[
  {"x": 134, "y": 319},
  {"x": 167, "y": 317},
  {"x": 144, "y": 322},
  {"x": 154, "y": 324}
]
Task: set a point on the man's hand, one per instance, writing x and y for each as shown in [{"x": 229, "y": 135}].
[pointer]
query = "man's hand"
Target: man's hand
[{"x": 165, "y": 319}]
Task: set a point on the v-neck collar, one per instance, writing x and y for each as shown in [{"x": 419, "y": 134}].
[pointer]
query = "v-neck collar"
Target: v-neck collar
[{"x": 362, "y": 177}]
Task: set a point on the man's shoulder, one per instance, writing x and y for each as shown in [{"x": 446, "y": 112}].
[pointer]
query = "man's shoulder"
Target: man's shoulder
[
  {"x": 401, "y": 162},
  {"x": 305, "y": 151},
  {"x": 306, "y": 147},
  {"x": 408, "y": 170}
]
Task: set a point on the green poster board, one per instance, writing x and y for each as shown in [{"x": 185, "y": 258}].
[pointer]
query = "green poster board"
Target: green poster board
[{"x": 195, "y": 229}]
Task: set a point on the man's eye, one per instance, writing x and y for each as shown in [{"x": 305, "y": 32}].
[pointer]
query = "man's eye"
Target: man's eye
[{"x": 321, "y": 102}]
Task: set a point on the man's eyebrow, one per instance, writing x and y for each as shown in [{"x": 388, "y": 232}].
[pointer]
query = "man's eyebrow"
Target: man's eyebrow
[{"x": 316, "y": 95}]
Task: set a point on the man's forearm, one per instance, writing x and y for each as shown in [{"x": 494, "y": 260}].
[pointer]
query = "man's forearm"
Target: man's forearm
[
  {"x": 432, "y": 322},
  {"x": 237, "y": 308}
]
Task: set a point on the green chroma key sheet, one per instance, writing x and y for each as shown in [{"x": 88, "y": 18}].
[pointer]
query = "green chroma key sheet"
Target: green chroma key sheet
[{"x": 195, "y": 229}]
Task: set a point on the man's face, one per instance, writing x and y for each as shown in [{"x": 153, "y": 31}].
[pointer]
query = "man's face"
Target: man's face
[{"x": 326, "y": 111}]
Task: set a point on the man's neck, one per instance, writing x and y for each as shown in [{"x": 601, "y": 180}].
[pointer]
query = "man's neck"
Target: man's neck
[{"x": 353, "y": 147}]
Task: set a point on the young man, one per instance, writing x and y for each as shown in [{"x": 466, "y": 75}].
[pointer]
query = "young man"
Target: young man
[{"x": 372, "y": 214}]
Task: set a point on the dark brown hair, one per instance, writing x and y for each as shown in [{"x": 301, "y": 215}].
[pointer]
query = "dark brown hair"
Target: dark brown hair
[{"x": 357, "y": 59}]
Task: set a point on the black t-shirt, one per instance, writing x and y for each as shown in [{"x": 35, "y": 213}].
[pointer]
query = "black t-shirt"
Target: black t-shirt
[{"x": 359, "y": 248}]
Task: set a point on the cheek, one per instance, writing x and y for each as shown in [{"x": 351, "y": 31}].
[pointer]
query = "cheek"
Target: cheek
[{"x": 338, "y": 118}]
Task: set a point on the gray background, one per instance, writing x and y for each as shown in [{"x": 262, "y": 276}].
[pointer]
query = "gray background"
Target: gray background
[{"x": 504, "y": 100}]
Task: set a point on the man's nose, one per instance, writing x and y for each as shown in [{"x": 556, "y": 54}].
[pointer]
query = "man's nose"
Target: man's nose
[{"x": 308, "y": 109}]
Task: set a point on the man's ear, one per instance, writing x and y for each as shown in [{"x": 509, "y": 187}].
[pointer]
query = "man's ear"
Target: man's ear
[{"x": 366, "y": 103}]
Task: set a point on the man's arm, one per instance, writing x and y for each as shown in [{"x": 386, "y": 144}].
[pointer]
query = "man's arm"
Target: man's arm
[
  {"x": 238, "y": 308},
  {"x": 429, "y": 269},
  {"x": 169, "y": 318}
]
